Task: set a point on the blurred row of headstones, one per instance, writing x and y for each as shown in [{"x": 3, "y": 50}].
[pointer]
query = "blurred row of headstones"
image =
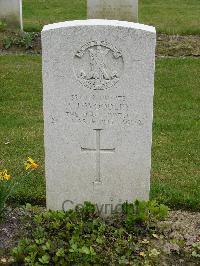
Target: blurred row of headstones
[{"x": 11, "y": 11}]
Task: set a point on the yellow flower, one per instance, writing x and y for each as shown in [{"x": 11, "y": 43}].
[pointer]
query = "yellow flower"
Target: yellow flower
[
  {"x": 31, "y": 164},
  {"x": 4, "y": 175},
  {"x": 142, "y": 254},
  {"x": 7, "y": 177}
]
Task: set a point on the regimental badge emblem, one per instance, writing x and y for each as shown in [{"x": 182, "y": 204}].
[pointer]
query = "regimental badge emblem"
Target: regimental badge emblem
[{"x": 98, "y": 65}]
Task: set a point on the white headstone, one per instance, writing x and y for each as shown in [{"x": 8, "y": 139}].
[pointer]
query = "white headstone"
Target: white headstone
[
  {"x": 11, "y": 13},
  {"x": 98, "y": 78},
  {"x": 113, "y": 9}
]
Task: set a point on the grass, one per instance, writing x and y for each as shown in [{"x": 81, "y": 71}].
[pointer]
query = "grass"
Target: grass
[
  {"x": 171, "y": 17},
  {"x": 176, "y": 152},
  {"x": 21, "y": 122},
  {"x": 40, "y": 12}
]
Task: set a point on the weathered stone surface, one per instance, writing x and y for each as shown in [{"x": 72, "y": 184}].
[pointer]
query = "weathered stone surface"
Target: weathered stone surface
[
  {"x": 98, "y": 80},
  {"x": 113, "y": 9},
  {"x": 11, "y": 13}
]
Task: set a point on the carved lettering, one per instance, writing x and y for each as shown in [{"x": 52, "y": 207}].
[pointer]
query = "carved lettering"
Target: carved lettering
[{"x": 104, "y": 110}]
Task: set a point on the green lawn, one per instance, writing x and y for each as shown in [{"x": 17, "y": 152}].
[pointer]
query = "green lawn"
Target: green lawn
[
  {"x": 21, "y": 122},
  {"x": 40, "y": 12},
  {"x": 172, "y": 16},
  {"x": 176, "y": 150},
  {"x": 176, "y": 134}
]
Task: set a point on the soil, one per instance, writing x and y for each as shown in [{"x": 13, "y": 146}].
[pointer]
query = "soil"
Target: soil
[
  {"x": 177, "y": 236},
  {"x": 10, "y": 231},
  {"x": 167, "y": 45},
  {"x": 178, "y": 46}
]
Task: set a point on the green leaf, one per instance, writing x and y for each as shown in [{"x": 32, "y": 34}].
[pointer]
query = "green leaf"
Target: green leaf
[
  {"x": 85, "y": 250},
  {"x": 99, "y": 240},
  {"x": 45, "y": 259},
  {"x": 60, "y": 252},
  {"x": 40, "y": 241},
  {"x": 195, "y": 254}
]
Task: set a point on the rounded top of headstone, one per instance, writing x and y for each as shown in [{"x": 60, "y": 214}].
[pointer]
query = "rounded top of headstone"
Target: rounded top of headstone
[{"x": 99, "y": 22}]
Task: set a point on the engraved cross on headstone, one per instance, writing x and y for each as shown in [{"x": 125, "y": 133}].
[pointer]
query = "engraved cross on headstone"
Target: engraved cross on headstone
[{"x": 98, "y": 151}]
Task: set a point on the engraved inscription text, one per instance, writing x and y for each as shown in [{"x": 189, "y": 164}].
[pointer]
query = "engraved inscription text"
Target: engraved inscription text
[{"x": 104, "y": 110}]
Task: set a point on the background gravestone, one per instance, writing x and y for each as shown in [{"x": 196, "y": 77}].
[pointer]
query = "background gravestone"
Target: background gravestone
[
  {"x": 98, "y": 80},
  {"x": 11, "y": 13},
  {"x": 113, "y": 9}
]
